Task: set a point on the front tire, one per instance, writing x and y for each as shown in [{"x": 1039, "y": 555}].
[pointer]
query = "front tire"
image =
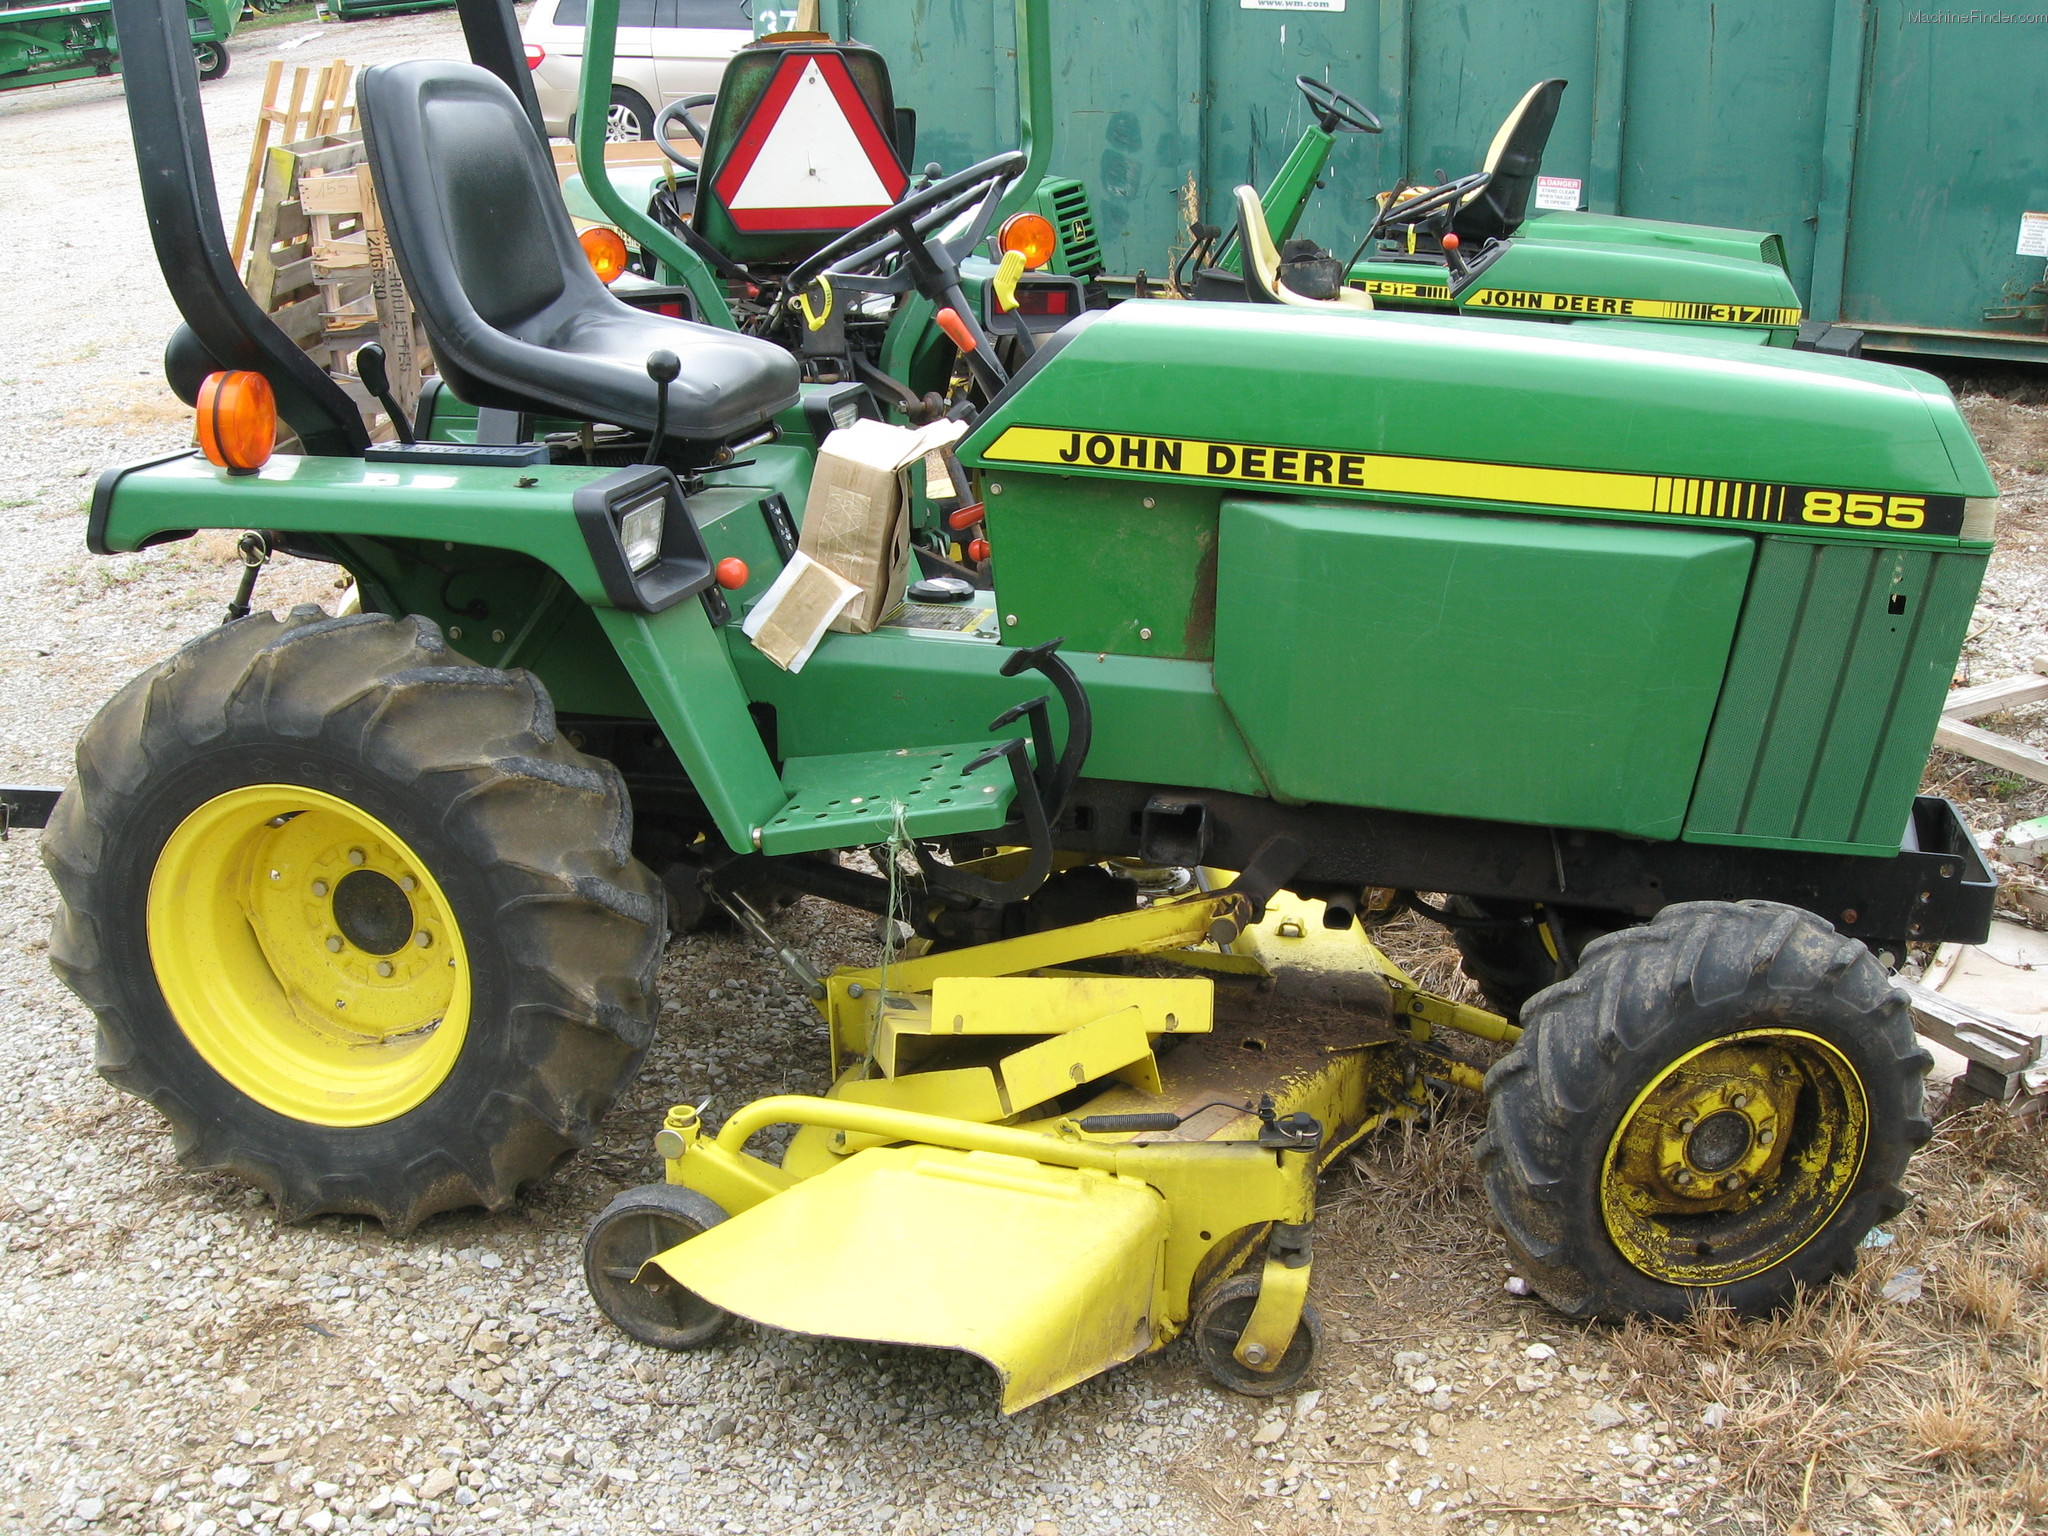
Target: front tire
[
  {"x": 212, "y": 59},
  {"x": 1717, "y": 1106},
  {"x": 354, "y": 917}
]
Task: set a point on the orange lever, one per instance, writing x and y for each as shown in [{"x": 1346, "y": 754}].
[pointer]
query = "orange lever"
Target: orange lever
[
  {"x": 966, "y": 517},
  {"x": 732, "y": 573},
  {"x": 951, "y": 323}
]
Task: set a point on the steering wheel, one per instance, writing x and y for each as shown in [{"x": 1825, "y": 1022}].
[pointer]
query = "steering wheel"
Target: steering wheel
[
  {"x": 1334, "y": 110},
  {"x": 1413, "y": 210},
  {"x": 679, "y": 112},
  {"x": 930, "y": 262},
  {"x": 905, "y": 228}
]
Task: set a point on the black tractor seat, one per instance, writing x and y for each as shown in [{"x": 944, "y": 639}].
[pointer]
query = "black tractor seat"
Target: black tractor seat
[
  {"x": 516, "y": 317},
  {"x": 1512, "y": 159}
]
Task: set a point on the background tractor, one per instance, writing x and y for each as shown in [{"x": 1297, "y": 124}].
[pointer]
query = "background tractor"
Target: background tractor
[
  {"x": 1632, "y": 645},
  {"x": 74, "y": 40}
]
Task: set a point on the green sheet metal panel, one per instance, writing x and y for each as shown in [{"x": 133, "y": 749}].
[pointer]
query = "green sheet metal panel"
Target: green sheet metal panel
[
  {"x": 1470, "y": 394},
  {"x": 1156, "y": 720},
  {"x": 1128, "y": 567},
  {"x": 1533, "y": 671},
  {"x": 1839, "y": 672}
]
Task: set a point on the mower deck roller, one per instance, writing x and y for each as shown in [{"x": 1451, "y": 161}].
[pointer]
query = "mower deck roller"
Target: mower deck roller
[{"x": 1065, "y": 1166}]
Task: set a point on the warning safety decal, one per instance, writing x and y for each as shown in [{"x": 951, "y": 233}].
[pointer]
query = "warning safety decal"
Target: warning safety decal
[
  {"x": 1684, "y": 497},
  {"x": 1530, "y": 300}
]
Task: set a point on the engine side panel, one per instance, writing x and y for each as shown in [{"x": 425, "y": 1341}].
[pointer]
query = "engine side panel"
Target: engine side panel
[{"x": 1515, "y": 669}]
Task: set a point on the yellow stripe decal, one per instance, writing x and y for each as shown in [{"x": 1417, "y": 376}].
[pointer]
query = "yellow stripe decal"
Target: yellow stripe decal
[
  {"x": 1381, "y": 288},
  {"x": 1591, "y": 490},
  {"x": 1608, "y": 307}
]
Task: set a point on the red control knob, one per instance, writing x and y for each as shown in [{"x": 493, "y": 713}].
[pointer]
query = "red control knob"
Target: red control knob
[
  {"x": 978, "y": 550},
  {"x": 1450, "y": 242},
  {"x": 732, "y": 573}
]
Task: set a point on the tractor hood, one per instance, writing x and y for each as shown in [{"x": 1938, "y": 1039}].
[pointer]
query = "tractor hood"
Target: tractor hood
[{"x": 1578, "y": 419}]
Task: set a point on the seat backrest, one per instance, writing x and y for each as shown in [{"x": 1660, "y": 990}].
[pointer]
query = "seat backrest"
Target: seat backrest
[
  {"x": 1512, "y": 159},
  {"x": 802, "y": 146},
  {"x": 474, "y": 208},
  {"x": 517, "y": 318},
  {"x": 1255, "y": 239}
]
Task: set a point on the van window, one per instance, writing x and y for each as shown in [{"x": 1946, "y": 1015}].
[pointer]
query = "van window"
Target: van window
[
  {"x": 632, "y": 13},
  {"x": 714, "y": 15}
]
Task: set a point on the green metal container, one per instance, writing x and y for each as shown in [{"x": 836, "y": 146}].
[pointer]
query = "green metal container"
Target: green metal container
[{"x": 1894, "y": 149}]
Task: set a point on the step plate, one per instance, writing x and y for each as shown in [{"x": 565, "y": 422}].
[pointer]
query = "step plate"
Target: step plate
[{"x": 852, "y": 798}]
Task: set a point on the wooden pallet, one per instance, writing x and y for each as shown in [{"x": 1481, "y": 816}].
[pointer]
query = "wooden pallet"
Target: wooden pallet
[
  {"x": 354, "y": 265},
  {"x": 1966, "y": 704},
  {"x": 320, "y": 265},
  {"x": 317, "y": 106}
]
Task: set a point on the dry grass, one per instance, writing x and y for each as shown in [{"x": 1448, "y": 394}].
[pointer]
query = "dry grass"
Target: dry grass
[{"x": 1849, "y": 1413}]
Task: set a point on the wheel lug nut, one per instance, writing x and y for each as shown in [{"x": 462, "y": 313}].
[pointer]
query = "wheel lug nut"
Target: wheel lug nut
[
  {"x": 1766, "y": 1136},
  {"x": 319, "y": 887},
  {"x": 355, "y": 856},
  {"x": 407, "y": 883},
  {"x": 383, "y": 967},
  {"x": 1732, "y": 1182},
  {"x": 1255, "y": 1354},
  {"x": 423, "y": 938},
  {"x": 1740, "y": 1101},
  {"x": 1685, "y": 1126},
  {"x": 334, "y": 943},
  {"x": 1683, "y": 1176}
]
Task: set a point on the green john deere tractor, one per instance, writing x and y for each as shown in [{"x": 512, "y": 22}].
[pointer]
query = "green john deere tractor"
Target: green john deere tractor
[
  {"x": 1629, "y": 646},
  {"x": 1474, "y": 246}
]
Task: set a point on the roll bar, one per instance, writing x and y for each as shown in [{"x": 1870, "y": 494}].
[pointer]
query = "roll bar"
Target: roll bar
[{"x": 168, "y": 129}]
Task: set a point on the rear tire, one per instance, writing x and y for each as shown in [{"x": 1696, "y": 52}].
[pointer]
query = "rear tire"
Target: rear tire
[
  {"x": 1717, "y": 1106},
  {"x": 354, "y": 917}
]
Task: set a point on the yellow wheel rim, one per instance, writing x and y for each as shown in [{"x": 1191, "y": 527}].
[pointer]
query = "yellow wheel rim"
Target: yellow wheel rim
[
  {"x": 308, "y": 955},
  {"x": 1734, "y": 1157}
]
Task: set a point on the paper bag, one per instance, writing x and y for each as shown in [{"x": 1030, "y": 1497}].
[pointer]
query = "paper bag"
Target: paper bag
[
  {"x": 789, "y": 620},
  {"x": 857, "y": 517}
]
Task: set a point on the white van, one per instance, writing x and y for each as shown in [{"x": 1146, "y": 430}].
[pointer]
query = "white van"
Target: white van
[{"x": 667, "y": 49}]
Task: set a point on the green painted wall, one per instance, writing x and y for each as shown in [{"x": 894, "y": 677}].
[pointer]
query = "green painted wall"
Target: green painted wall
[{"x": 1894, "y": 155}]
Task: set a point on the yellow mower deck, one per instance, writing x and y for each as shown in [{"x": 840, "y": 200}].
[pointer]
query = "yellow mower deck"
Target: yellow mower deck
[{"x": 967, "y": 1183}]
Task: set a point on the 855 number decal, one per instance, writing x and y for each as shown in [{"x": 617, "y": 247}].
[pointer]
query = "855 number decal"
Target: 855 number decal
[{"x": 1851, "y": 509}]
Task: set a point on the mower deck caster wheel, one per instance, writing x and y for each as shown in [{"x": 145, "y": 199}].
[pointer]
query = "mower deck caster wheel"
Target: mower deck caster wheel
[
  {"x": 1220, "y": 1322},
  {"x": 627, "y": 1233}
]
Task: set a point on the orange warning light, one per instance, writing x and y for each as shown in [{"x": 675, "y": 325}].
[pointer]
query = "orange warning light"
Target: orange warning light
[
  {"x": 237, "y": 421},
  {"x": 606, "y": 250},
  {"x": 1031, "y": 236}
]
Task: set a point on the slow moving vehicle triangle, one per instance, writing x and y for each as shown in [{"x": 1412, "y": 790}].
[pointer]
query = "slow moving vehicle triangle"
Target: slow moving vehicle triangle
[{"x": 812, "y": 156}]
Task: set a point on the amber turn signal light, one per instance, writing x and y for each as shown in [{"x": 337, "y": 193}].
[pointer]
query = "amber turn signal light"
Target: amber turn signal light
[
  {"x": 606, "y": 251},
  {"x": 237, "y": 421},
  {"x": 1031, "y": 236}
]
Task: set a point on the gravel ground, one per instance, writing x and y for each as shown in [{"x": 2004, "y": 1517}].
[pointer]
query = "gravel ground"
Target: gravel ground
[{"x": 174, "y": 1361}]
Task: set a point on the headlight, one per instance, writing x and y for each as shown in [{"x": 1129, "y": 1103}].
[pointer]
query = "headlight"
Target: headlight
[
  {"x": 643, "y": 541},
  {"x": 640, "y": 529}
]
